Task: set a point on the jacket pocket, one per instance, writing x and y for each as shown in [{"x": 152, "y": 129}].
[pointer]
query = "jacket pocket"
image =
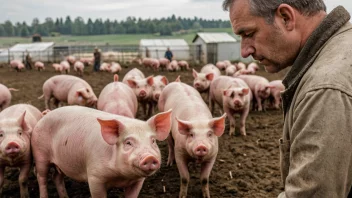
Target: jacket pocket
[{"x": 284, "y": 158}]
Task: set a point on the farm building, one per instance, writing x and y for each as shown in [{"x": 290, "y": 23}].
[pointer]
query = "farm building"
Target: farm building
[
  {"x": 155, "y": 48},
  {"x": 38, "y": 51},
  {"x": 218, "y": 46}
]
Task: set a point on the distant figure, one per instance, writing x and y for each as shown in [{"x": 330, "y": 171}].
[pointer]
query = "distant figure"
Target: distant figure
[
  {"x": 168, "y": 54},
  {"x": 28, "y": 61},
  {"x": 147, "y": 52},
  {"x": 97, "y": 57}
]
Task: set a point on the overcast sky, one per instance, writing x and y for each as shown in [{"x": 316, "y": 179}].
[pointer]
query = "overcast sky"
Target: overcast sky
[{"x": 26, "y": 10}]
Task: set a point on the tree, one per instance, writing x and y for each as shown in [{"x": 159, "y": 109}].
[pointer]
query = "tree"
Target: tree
[
  {"x": 68, "y": 25},
  {"x": 24, "y": 31},
  {"x": 2, "y": 30},
  {"x": 90, "y": 27},
  {"x": 79, "y": 27},
  {"x": 9, "y": 29},
  {"x": 49, "y": 23}
]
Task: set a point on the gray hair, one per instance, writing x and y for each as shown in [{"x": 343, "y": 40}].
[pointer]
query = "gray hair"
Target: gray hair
[{"x": 267, "y": 8}]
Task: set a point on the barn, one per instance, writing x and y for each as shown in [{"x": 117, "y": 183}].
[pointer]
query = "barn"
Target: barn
[
  {"x": 155, "y": 48},
  {"x": 41, "y": 51},
  {"x": 218, "y": 46}
]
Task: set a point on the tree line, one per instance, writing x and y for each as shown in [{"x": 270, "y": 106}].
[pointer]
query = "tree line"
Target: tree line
[{"x": 132, "y": 25}]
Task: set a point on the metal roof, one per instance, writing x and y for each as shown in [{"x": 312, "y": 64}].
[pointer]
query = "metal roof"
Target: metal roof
[
  {"x": 163, "y": 43},
  {"x": 31, "y": 47},
  {"x": 215, "y": 37}
]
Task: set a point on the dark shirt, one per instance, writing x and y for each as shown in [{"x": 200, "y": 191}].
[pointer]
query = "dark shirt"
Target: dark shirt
[
  {"x": 97, "y": 56},
  {"x": 168, "y": 55}
]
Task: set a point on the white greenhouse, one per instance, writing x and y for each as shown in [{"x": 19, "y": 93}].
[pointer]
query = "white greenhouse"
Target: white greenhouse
[
  {"x": 216, "y": 46},
  {"x": 41, "y": 51},
  {"x": 155, "y": 48}
]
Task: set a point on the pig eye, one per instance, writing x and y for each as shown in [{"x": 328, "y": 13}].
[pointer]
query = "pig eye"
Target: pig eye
[
  {"x": 88, "y": 90},
  {"x": 192, "y": 135},
  {"x": 20, "y": 133},
  {"x": 210, "y": 133},
  {"x": 1, "y": 135},
  {"x": 129, "y": 143},
  {"x": 153, "y": 140}
]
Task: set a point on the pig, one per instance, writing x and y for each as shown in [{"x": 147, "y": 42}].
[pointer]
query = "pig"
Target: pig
[
  {"x": 104, "y": 149},
  {"x": 173, "y": 66},
  {"x": 163, "y": 62},
  {"x": 5, "y": 96},
  {"x": 65, "y": 67},
  {"x": 142, "y": 88},
  {"x": 16, "y": 125},
  {"x": 203, "y": 79},
  {"x": 240, "y": 66},
  {"x": 221, "y": 65},
  {"x": 194, "y": 134},
  {"x": 115, "y": 68},
  {"x": 39, "y": 65},
  {"x": 252, "y": 68},
  {"x": 227, "y": 62},
  {"x": 183, "y": 65},
  {"x": 159, "y": 83},
  {"x": 230, "y": 70},
  {"x": 118, "y": 98},
  {"x": 233, "y": 96},
  {"x": 260, "y": 88},
  {"x": 87, "y": 61},
  {"x": 71, "y": 60},
  {"x": 151, "y": 62},
  {"x": 275, "y": 91},
  {"x": 105, "y": 67},
  {"x": 78, "y": 67},
  {"x": 57, "y": 67},
  {"x": 17, "y": 65},
  {"x": 70, "y": 89}
]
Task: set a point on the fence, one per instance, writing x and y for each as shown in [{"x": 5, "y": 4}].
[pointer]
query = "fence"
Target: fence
[{"x": 121, "y": 53}]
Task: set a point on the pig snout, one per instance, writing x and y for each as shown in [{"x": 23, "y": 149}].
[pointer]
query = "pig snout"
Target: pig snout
[
  {"x": 201, "y": 151},
  {"x": 142, "y": 93},
  {"x": 149, "y": 164},
  {"x": 12, "y": 149}
]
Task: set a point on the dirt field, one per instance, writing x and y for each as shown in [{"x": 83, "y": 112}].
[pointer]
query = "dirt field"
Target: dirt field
[{"x": 252, "y": 160}]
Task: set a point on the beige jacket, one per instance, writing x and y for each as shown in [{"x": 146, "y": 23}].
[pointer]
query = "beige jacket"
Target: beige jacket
[{"x": 316, "y": 148}]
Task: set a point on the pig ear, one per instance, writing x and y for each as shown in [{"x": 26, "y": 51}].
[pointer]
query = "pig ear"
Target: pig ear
[
  {"x": 161, "y": 123},
  {"x": 218, "y": 125},
  {"x": 178, "y": 79},
  {"x": 184, "y": 127},
  {"x": 195, "y": 74},
  {"x": 164, "y": 80},
  {"x": 224, "y": 91},
  {"x": 111, "y": 130},
  {"x": 209, "y": 76},
  {"x": 245, "y": 91},
  {"x": 132, "y": 83},
  {"x": 22, "y": 122},
  {"x": 150, "y": 80},
  {"x": 116, "y": 78}
]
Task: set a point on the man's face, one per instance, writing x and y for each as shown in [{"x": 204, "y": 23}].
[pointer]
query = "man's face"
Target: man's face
[{"x": 270, "y": 44}]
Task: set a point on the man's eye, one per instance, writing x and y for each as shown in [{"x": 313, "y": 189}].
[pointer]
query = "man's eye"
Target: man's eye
[{"x": 248, "y": 35}]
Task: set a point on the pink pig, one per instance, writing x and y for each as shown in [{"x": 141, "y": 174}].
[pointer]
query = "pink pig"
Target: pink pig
[
  {"x": 183, "y": 65},
  {"x": 5, "y": 96},
  {"x": 230, "y": 70},
  {"x": 164, "y": 62},
  {"x": 65, "y": 66},
  {"x": 78, "y": 67},
  {"x": 57, "y": 67},
  {"x": 115, "y": 68},
  {"x": 260, "y": 88},
  {"x": 39, "y": 65},
  {"x": 159, "y": 83},
  {"x": 275, "y": 91},
  {"x": 203, "y": 79},
  {"x": 252, "y": 68},
  {"x": 173, "y": 66},
  {"x": 142, "y": 88},
  {"x": 233, "y": 96},
  {"x": 194, "y": 134},
  {"x": 16, "y": 125},
  {"x": 104, "y": 67},
  {"x": 70, "y": 89},
  {"x": 221, "y": 65},
  {"x": 104, "y": 149},
  {"x": 118, "y": 98},
  {"x": 17, "y": 65}
]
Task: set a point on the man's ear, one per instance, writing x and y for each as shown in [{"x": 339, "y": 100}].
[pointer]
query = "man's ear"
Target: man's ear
[{"x": 287, "y": 16}]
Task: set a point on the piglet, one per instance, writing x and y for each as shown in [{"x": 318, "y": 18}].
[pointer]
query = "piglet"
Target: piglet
[
  {"x": 203, "y": 79},
  {"x": 118, "y": 98},
  {"x": 70, "y": 89},
  {"x": 5, "y": 96},
  {"x": 233, "y": 96},
  {"x": 194, "y": 134},
  {"x": 260, "y": 88},
  {"x": 275, "y": 91},
  {"x": 57, "y": 67},
  {"x": 183, "y": 65},
  {"x": 16, "y": 125},
  {"x": 115, "y": 68},
  {"x": 163, "y": 62},
  {"x": 17, "y": 65},
  {"x": 104, "y": 149},
  {"x": 39, "y": 65},
  {"x": 65, "y": 67},
  {"x": 230, "y": 70},
  {"x": 78, "y": 67}
]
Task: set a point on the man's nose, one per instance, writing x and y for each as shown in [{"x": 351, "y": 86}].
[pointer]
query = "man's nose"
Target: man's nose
[{"x": 246, "y": 49}]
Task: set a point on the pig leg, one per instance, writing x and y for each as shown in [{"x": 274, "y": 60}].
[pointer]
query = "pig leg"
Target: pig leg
[
  {"x": 42, "y": 169},
  {"x": 97, "y": 188},
  {"x": 23, "y": 179},
  {"x": 133, "y": 190},
  {"x": 259, "y": 102},
  {"x": 231, "y": 117},
  {"x": 47, "y": 102},
  {"x": 150, "y": 109},
  {"x": 243, "y": 118},
  {"x": 2, "y": 169},
  {"x": 58, "y": 179},
  {"x": 171, "y": 144},
  {"x": 204, "y": 176},
  {"x": 184, "y": 175}
]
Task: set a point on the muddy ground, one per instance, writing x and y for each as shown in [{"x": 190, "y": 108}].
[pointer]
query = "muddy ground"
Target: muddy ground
[{"x": 253, "y": 160}]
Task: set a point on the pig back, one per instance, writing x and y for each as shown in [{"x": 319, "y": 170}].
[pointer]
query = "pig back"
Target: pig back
[
  {"x": 133, "y": 74},
  {"x": 33, "y": 115},
  {"x": 210, "y": 68}
]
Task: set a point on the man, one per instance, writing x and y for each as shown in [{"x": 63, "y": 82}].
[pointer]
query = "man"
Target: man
[
  {"x": 28, "y": 61},
  {"x": 168, "y": 54},
  {"x": 315, "y": 151},
  {"x": 97, "y": 57}
]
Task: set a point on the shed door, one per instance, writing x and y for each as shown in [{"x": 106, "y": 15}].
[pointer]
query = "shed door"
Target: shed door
[{"x": 212, "y": 53}]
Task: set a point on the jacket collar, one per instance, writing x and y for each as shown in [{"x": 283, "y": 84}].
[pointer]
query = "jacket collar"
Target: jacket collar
[{"x": 328, "y": 27}]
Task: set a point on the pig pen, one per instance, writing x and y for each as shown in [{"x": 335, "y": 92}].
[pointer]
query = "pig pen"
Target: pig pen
[{"x": 245, "y": 166}]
